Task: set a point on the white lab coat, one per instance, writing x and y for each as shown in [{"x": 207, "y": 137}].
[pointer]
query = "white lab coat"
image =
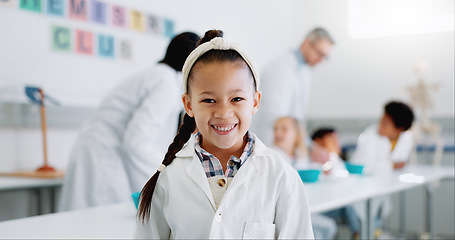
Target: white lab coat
[
  {"x": 323, "y": 226},
  {"x": 373, "y": 151},
  {"x": 266, "y": 199},
  {"x": 285, "y": 86},
  {"x": 124, "y": 141}
]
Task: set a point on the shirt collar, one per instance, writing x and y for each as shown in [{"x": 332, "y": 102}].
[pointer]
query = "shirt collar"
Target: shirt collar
[
  {"x": 300, "y": 58},
  {"x": 204, "y": 155}
]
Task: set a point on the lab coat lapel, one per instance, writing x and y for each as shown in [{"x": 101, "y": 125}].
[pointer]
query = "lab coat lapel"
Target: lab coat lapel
[
  {"x": 196, "y": 172},
  {"x": 246, "y": 172},
  {"x": 249, "y": 169}
]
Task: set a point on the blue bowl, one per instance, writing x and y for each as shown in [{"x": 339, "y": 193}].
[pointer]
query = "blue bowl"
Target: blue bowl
[
  {"x": 310, "y": 175},
  {"x": 136, "y": 198},
  {"x": 354, "y": 169}
]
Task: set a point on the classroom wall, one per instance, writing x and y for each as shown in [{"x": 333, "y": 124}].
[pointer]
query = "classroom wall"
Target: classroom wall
[
  {"x": 361, "y": 75},
  {"x": 265, "y": 28}
]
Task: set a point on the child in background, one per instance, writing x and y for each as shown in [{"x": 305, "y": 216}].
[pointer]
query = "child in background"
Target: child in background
[
  {"x": 326, "y": 150},
  {"x": 289, "y": 143},
  {"x": 223, "y": 182},
  {"x": 380, "y": 149},
  {"x": 389, "y": 145}
]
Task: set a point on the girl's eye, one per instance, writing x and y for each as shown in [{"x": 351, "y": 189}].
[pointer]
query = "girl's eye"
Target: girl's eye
[
  {"x": 237, "y": 99},
  {"x": 208, "y": 100}
]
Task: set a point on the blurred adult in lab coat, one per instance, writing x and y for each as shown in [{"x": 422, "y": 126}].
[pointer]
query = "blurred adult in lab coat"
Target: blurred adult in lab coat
[
  {"x": 383, "y": 148},
  {"x": 286, "y": 83},
  {"x": 124, "y": 141}
]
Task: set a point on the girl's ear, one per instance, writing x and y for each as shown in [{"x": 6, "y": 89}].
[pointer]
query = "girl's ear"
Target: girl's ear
[
  {"x": 256, "y": 101},
  {"x": 187, "y": 104}
]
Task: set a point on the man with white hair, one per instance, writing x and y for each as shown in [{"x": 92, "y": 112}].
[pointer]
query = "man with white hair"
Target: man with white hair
[{"x": 285, "y": 83}]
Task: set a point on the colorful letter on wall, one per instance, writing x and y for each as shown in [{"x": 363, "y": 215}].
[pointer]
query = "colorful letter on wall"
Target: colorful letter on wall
[
  {"x": 105, "y": 46},
  {"x": 84, "y": 42},
  {"x": 32, "y": 5},
  {"x": 126, "y": 50},
  {"x": 137, "y": 21},
  {"x": 153, "y": 24},
  {"x": 99, "y": 12},
  {"x": 168, "y": 28},
  {"x": 55, "y": 7},
  {"x": 78, "y": 9},
  {"x": 8, "y": 3},
  {"x": 61, "y": 39},
  {"x": 118, "y": 16}
]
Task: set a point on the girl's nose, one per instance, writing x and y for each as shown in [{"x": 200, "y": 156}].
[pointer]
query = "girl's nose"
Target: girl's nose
[{"x": 223, "y": 111}]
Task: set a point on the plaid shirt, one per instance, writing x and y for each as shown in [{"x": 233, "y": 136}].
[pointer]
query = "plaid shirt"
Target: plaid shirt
[{"x": 212, "y": 165}]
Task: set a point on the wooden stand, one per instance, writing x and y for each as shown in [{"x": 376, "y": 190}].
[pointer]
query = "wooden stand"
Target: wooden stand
[{"x": 45, "y": 168}]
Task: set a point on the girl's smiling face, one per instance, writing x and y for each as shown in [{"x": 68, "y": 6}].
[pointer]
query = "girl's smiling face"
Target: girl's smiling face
[{"x": 222, "y": 100}]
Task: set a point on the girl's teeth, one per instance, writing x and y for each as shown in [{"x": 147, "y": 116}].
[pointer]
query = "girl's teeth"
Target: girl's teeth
[{"x": 224, "y": 129}]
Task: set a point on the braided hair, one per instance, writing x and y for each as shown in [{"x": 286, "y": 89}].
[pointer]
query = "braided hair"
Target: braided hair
[{"x": 180, "y": 139}]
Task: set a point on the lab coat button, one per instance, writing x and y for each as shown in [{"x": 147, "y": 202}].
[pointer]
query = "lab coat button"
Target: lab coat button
[
  {"x": 221, "y": 182},
  {"x": 218, "y": 217},
  {"x": 231, "y": 163}
]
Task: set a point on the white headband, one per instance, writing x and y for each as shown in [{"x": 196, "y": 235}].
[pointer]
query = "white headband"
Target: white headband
[{"x": 217, "y": 43}]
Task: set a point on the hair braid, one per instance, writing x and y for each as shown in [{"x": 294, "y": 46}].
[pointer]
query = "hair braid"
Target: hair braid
[{"x": 180, "y": 139}]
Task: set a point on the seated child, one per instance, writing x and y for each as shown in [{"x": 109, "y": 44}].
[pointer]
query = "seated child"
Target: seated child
[
  {"x": 289, "y": 142},
  {"x": 382, "y": 148},
  {"x": 389, "y": 145},
  {"x": 326, "y": 150}
]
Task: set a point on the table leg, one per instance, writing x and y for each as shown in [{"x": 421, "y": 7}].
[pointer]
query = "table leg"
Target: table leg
[
  {"x": 363, "y": 223},
  {"x": 402, "y": 216},
  {"x": 52, "y": 196},
  {"x": 368, "y": 223},
  {"x": 38, "y": 195},
  {"x": 429, "y": 210},
  {"x": 370, "y": 219}
]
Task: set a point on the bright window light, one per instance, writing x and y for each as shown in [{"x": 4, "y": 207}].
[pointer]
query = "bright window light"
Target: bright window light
[{"x": 383, "y": 18}]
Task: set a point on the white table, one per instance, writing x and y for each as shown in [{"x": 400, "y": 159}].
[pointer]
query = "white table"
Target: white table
[
  {"x": 332, "y": 193},
  {"x": 10, "y": 184},
  {"x": 118, "y": 221},
  {"x": 111, "y": 221}
]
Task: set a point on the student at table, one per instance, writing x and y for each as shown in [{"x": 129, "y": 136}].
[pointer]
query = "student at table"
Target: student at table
[
  {"x": 383, "y": 148},
  {"x": 289, "y": 142},
  {"x": 325, "y": 150}
]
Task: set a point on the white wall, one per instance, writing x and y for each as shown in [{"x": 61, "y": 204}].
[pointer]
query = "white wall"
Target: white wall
[
  {"x": 363, "y": 74},
  {"x": 265, "y": 28}
]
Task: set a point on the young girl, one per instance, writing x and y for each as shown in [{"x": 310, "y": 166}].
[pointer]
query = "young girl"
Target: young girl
[
  {"x": 224, "y": 182},
  {"x": 289, "y": 143}
]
